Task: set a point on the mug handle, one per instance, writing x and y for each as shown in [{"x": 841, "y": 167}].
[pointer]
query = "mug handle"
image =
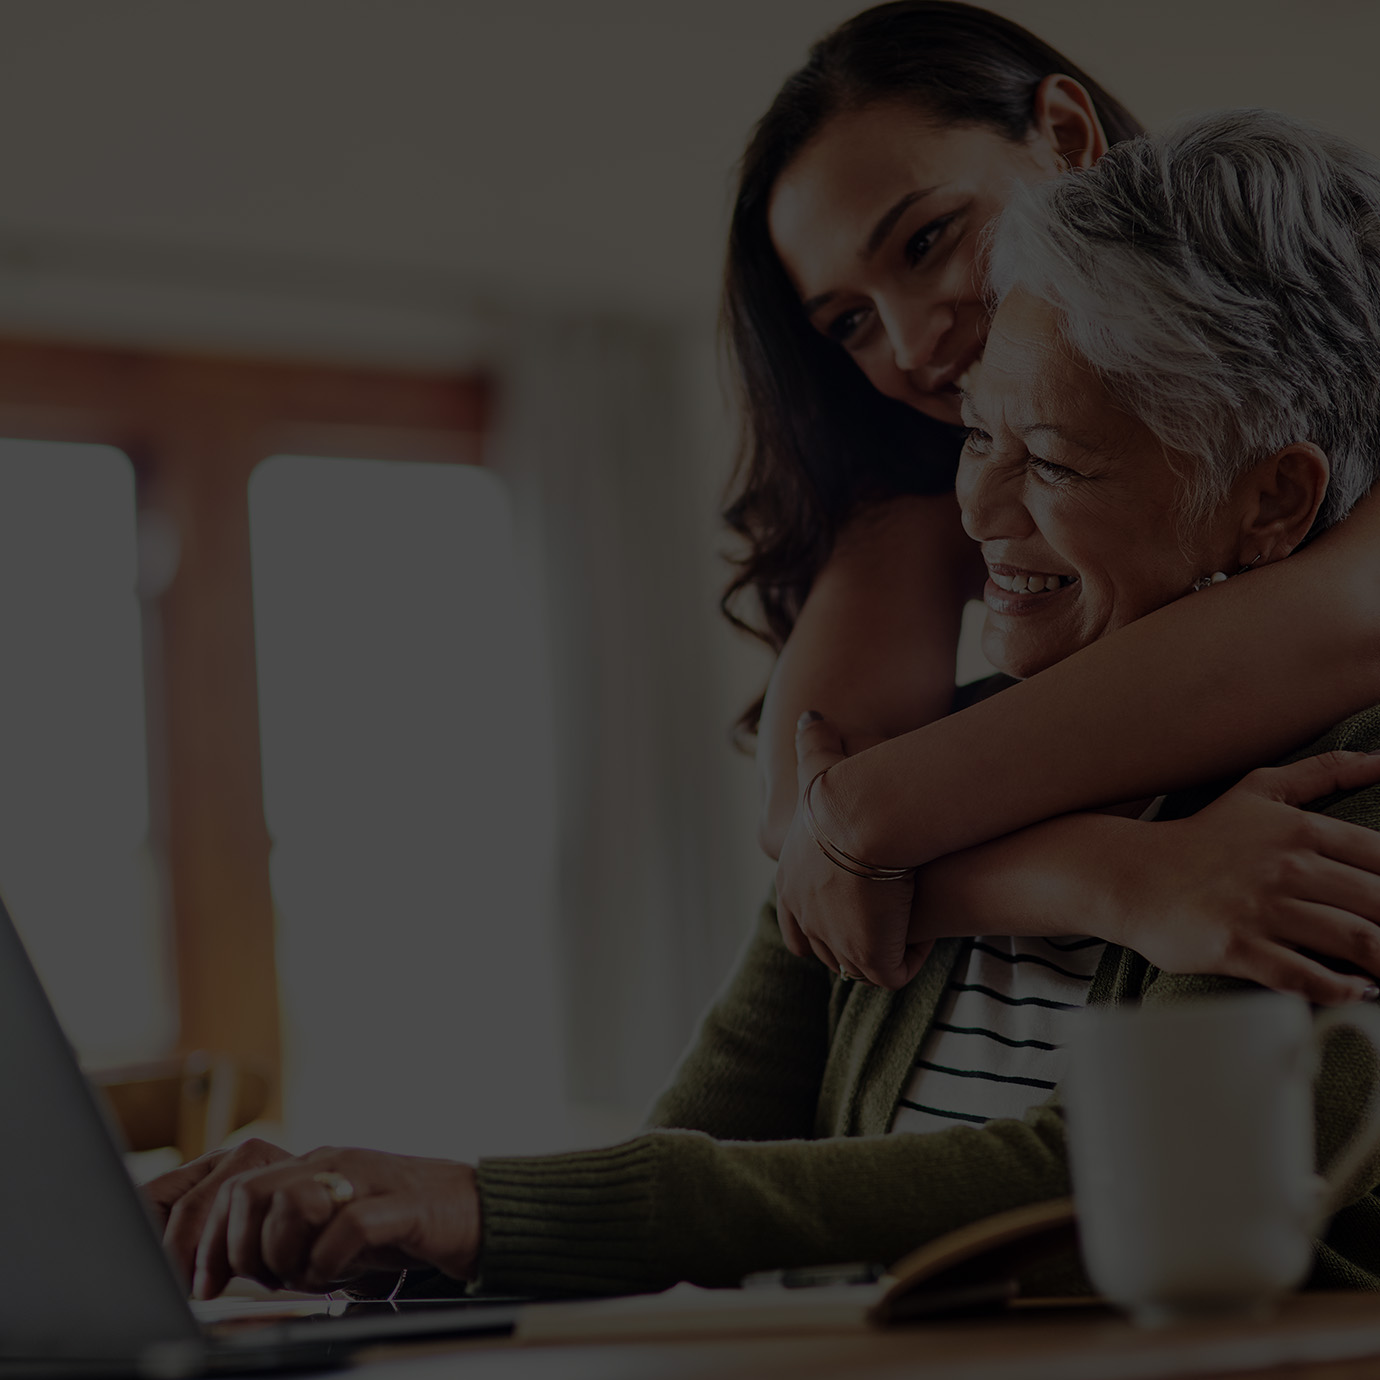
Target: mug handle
[{"x": 1366, "y": 1138}]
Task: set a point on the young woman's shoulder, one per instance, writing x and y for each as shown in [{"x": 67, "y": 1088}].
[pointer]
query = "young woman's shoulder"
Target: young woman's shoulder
[
  {"x": 900, "y": 549},
  {"x": 898, "y": 527}
]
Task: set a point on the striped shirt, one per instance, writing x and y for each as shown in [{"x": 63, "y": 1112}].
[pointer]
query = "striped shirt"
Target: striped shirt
[{"x": 996, "y": 1046}]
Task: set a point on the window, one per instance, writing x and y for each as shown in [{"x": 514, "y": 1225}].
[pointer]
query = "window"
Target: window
[
  {"x": 408, "y": 798},
  {"x": 75, "y": 867},
  {"x": 187, "y": 840}
]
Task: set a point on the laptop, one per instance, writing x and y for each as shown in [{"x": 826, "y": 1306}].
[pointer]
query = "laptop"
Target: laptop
[{"x": 85, "y": 1286}]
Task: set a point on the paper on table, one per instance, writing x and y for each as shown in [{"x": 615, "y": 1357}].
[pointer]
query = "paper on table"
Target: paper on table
[
  {"x": 687, "y": 1310},
  {"x": 972, "y": 1267}
]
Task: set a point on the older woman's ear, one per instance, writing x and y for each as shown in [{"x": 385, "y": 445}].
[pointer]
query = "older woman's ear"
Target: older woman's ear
[{"x": 1283, "y": 497}]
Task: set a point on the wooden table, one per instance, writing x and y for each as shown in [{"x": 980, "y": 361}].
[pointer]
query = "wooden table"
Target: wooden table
[{"x": 1313, "y": 1337}]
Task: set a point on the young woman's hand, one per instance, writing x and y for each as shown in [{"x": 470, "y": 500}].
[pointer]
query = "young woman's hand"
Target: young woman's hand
[
  {"x": 314, "y": 1221},
  {"x": 1251, "y": 886},
  {"x": 873, "y": 645},
  {"x": 855, "y": 927}
]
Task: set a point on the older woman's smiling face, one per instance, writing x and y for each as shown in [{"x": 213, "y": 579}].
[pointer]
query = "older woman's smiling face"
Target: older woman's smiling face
[{"x": 1075, "y": 503}]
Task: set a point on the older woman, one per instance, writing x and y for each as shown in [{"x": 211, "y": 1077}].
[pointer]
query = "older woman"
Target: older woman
[{"x": 1177, "y": 390}]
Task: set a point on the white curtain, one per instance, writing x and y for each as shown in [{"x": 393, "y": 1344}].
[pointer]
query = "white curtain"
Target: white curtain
[{"x": 602, "y": 443}]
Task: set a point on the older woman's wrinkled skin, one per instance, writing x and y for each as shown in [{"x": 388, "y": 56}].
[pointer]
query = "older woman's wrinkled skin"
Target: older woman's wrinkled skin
[
  {"x": 258, "y": 1212},
  {"x": 1057, "y": 483}
]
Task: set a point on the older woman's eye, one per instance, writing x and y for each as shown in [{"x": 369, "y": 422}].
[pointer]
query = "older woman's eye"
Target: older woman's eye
[
  {"x": 846, "y": 325},
  {"x": 977, "y": 440},
  {"x": 1050, "y": 472}
]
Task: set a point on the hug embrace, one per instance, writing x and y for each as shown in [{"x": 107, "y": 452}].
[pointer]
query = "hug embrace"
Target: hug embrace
[{"x": 995, "y": 342}]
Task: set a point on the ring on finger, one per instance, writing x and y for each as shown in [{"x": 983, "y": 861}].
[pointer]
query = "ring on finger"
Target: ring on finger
[{"x": 341, "y": 1190}]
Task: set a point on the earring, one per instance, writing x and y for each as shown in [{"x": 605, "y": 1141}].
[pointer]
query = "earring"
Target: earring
[{"x": 1218, "y": 576}]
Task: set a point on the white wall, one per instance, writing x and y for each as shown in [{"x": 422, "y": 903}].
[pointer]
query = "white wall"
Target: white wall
[{"x": 559, "y": 154}]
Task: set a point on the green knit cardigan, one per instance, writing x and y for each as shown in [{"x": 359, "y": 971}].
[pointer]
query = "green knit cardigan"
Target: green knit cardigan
[{"x": 770, "y": 1149}]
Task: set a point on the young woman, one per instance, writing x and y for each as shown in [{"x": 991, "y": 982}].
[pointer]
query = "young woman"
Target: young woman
[{"x": 855, "y": 302}]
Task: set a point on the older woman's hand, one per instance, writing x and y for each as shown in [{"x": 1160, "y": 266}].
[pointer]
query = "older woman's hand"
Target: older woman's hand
[
  {"x": 856, "y": 927},
  {"x": 1251, "y": 886},
  {"x": 312, "y": 1222}
]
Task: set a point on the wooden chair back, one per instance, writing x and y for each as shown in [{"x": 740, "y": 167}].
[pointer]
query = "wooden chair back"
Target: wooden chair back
[{"x": 191, "y": 1103}]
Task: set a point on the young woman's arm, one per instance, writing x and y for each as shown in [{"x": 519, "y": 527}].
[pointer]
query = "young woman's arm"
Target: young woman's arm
[
  {"x": 1249, "y": 887},
  {"x": 874, "y": 645},
  {"x": 1205, "y": 688}
]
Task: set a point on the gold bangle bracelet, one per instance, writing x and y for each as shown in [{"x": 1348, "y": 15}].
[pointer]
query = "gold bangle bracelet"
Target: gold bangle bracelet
[{"x": 869, "y": 872}]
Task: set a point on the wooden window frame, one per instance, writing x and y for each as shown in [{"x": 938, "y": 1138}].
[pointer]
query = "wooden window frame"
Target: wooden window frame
[{"x": 195, "y": 426}]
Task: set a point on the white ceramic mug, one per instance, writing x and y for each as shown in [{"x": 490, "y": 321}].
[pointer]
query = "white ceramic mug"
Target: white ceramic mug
[{"x": 1191, "y": 1142}]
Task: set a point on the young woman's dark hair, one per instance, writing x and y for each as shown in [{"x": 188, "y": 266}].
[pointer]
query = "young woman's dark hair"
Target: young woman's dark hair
[{"x": 818, "y": 438}]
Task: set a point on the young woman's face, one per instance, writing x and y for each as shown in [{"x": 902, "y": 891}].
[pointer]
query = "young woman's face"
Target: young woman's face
[{"x": 877, "y": 222}]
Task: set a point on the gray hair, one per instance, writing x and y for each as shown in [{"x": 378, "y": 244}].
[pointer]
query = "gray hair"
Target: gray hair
[{"x": 1223, "y": 280}]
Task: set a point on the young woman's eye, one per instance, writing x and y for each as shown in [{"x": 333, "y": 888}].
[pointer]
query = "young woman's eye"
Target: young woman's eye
[
  {"x": 924, "y": 239},
  {"x": 846, "y": 325}
]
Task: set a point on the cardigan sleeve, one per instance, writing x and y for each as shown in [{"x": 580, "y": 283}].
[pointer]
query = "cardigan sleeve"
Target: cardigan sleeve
[
  {"x": 727, "y": 1180},
  {"x": 754, "y": 1068},
  {"x": 677, "y": 1203}
]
